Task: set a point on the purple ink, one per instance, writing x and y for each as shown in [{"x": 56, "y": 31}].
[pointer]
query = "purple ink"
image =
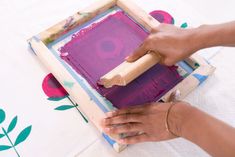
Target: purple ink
[
  {"x": 94, "y": 60},
  {"x": 96, "y": 50},
  {"x": 147, "y": 88}
]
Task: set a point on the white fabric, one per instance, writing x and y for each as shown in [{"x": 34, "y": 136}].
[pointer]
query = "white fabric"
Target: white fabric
[{"x": 64, "y": 133}]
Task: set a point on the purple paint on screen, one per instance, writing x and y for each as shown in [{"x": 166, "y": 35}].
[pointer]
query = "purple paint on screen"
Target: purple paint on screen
[{"x": 96, "y": 50}]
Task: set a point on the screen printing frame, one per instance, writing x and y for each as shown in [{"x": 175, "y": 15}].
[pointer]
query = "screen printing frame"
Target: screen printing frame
[{"x": 87, "y": 103}]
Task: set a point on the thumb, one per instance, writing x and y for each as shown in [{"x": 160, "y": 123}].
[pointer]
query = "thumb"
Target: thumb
[{"x": 139, "y": 52}]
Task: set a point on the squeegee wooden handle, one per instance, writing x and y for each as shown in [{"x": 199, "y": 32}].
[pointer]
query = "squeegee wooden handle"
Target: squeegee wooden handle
[{"x": 128, "y": 71}]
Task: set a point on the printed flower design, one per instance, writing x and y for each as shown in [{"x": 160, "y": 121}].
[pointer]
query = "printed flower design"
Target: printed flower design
[
  {"x": 56, "y": 92},
  {"x": 2, "y": 116},
  {"x": 21, "y": 137},
  {"x": 162, "y": 16},
  {"x": 165, "y": 17}
]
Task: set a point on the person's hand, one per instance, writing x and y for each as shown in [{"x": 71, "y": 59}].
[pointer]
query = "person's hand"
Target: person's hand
[
  {"x": 172, "y": 43},
  {"x": 148, "y": 120}
]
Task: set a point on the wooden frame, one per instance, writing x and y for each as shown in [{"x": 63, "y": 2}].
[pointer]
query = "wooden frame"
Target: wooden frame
[{"x": 87, "y": 102}]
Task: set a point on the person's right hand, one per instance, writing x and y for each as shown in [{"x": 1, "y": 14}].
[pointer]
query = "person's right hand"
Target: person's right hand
[{"x": 172, "y": 43}]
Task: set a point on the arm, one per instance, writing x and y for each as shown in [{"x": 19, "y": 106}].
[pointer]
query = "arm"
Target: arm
[
  {"x": 216, "y": 35},
  {"x": 168, "y": 40},
  {"x": 209, "y": 133}
]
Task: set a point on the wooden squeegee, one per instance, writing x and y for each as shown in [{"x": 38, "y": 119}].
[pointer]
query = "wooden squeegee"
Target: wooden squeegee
[{"x": 128, "y": 71}]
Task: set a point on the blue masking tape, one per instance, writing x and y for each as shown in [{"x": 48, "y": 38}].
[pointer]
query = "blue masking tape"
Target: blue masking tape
[
  {"x": 185, "y": 66},
  {"x": 201, "y": 78},
  {"x": 110, "y": 141}
]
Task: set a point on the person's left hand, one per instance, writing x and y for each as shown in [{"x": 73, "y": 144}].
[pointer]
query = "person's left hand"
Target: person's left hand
[{"x": 148, "y": 120}]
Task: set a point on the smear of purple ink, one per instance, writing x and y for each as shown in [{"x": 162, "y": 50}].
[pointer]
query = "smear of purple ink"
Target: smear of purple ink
[{"x": 96, "y": 50}]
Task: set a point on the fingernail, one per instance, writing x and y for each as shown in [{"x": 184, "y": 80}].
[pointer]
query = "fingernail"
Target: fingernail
[
  {"x": 127, "y": 57},
  {"x": 108, "y": 114},
  {"x": 99, "y": 83},
  {"x": 103, "y": 121},
  {"x": 107, "y": 129},
  {"x": 121, "y": 141},
  {"x": 177, "y": 93}
]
